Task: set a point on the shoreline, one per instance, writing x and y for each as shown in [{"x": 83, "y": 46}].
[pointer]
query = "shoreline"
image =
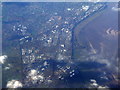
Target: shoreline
[{"x": 81, "y": 24}]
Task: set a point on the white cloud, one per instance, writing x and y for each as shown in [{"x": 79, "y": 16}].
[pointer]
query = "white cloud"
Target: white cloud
[
  {"x": 85, "y": 8},
  {"x": 35, "y": 76},
  {"x": 115, "y": 9},
  {"x": 2, "y": 59},
  {"x": 94, "y": 84},
  {"x": 14, "y": 84}
]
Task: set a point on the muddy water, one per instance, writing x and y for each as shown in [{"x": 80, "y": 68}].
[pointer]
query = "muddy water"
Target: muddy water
[{"x": 94, "y": 31}]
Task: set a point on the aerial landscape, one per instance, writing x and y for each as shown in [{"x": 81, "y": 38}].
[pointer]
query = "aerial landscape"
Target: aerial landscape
[{"x": 59, "y": 45}]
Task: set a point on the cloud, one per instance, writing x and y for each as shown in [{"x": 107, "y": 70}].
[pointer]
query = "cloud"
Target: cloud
[
  {"x": 2, "y": 59},
  {"x": 94, "y": 84},
  {"x": 115, "y": 9},
  {"x": 35, "y": 76},
  {"x": 14, "y": 84}
]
